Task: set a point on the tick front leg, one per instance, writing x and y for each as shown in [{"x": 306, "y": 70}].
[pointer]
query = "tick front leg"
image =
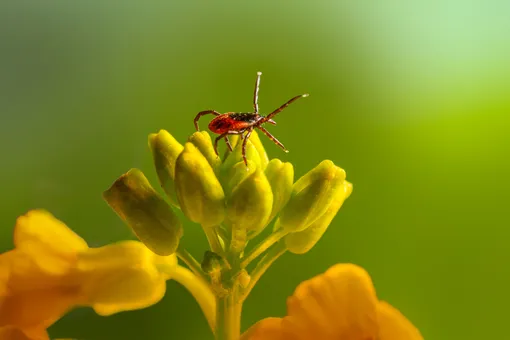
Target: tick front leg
[
  {"x": 202, "y": 113},
  {"x": 228, "y": 144},
  {"x": 224, "y": 135},
  {"x": 273, "y": 138}
]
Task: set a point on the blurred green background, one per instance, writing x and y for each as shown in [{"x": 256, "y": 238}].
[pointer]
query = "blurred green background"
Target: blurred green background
[{"x": 411, "y": 98}]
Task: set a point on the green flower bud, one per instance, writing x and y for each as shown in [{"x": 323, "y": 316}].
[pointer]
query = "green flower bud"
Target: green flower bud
[
  {"x": 236, "y": 156},
  {"x": 280, "y": 176},
  {"x": 255, "y": 140},
  {"x": 165, "y": 150},
  {"x": 248, "y": 208},
  {"x": 235, "y": 175},
  {"x": 311, "y": 196},
  {"x": 302, "y": 241},
  {"x": 145, "y": 211},
  {"x": 202, "y": 140},
  {"x": 199, "y": 192}
]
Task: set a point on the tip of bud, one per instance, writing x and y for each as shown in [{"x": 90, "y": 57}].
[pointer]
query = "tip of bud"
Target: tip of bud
[
  {"x": 305, "y": 95},
  {"x": 259, "y": 73}
]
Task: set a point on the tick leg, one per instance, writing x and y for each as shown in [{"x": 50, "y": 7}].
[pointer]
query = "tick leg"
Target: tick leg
[
  {"x": 256, "y": 93},
  {"x": 202, "y": 113},
  {"x": 280, "y": 109},
  {"x": 224, "y": 135},
  {"x": 228, "y": 143},
  {"x": 244, "y": 145},
  {"x": 276, "y": 141}
]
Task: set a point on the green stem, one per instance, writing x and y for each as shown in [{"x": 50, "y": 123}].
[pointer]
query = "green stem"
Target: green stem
[
  {"x": 265, "y": 262},
  {"x": 228, "y": 312},
  {"x": 262, "y": 247},
  {"x": 190, "y": 261},
  {"x": 213, "y": 239},
  {"x": 200, "y": 291}
]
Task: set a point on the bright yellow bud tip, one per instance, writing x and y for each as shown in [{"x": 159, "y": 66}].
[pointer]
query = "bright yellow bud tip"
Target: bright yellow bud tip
[
  {"x": 165, "y": 150},
  {"x": 302, "y": 241},
  {"x": 249, "y": 207},
  {"x": 311, "y": 196},
  {"x": 199, "y": 192},
  {"x": 280, "y": 176},
  {"x": 145, "y": 211}
]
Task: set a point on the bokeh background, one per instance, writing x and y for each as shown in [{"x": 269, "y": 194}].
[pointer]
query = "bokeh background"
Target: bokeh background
[{"x": 412, "y": 98}]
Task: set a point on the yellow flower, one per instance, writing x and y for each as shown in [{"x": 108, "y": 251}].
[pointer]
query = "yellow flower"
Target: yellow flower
[
  {"x": 52, "y": 270},
  {"x": 340, "y": 304}
]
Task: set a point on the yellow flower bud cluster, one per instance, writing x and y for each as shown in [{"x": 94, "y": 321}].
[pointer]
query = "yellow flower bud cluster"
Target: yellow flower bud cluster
[{"x": 233, "y": 202}]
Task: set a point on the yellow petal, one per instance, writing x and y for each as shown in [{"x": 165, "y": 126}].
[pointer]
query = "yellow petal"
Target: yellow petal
[
  {"x": 394, "y": 326},
  {"x": 267, "y": 329},
  {"x": 339, "y": 304},
  {"x": 123, "y": 276},
  {"x": 20, "y": 272},
  {"x": 48, "y": 241}
]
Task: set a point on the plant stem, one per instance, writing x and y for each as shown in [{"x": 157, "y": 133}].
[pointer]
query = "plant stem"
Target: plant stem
[
  {"x": 190, "y": 261},
  {"x": 200, "y": 291},
  {"x": 214, "y": 240},
  {"x": 262, "y": 247},
  {"x": 265, "y": 262},
  {"x": 228, "y": 312}
]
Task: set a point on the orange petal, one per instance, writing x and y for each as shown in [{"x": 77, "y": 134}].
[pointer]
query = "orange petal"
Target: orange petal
[
  {"x": 37, "y": 309},
  {"x": 339, "y": 304},
  {"x": 12, "y": 333},
  {"x": 394, "y": 326},
  {"x": 267, "y": 329}
]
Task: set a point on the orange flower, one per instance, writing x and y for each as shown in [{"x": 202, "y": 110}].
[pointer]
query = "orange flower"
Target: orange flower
[
  {"x": 340, "y": 304},
  {"x": 51, "y": 270}
]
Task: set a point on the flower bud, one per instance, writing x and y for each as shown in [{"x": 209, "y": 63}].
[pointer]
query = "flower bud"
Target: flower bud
[
  {"x": 249, "y": 207},
  {"x": 199, "y": 192},
  {"x": 302, "y": 241},
  {"x": 237, "y": 174},
  {"x": 202, "y": 140},
  {"x": 280, "y": 176},
  {"x": 145, "y": 211},
  {"x": 311, "y": 196},
  {"x": 165, "y": 150},
  {"x": 236, "y": 155},
  {"x": 255, "y": 140}
]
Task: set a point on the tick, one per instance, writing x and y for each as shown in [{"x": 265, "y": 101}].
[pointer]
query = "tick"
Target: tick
[{"x": 243, "y": 123}]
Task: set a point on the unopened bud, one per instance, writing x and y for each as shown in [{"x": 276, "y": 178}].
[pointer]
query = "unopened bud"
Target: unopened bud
[
  {"x": 145, "y": 211},
  {"x": 199, "y": 192},
  {"x": 311, "y": 196},
  {"x": 236, "y": 155},
  {"x": 280, "y": 176},
  {"x": 302, "y": 241},
  {"x": 165, "y": 150},
  {"x": 203, "y": 143},
  {"x": 249, "y": 206}
]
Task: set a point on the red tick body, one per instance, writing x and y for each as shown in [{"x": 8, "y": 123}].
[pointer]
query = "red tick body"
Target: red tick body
[
  {"x": 229, "y": 121},
  {"x": 237, "y": 123}
]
